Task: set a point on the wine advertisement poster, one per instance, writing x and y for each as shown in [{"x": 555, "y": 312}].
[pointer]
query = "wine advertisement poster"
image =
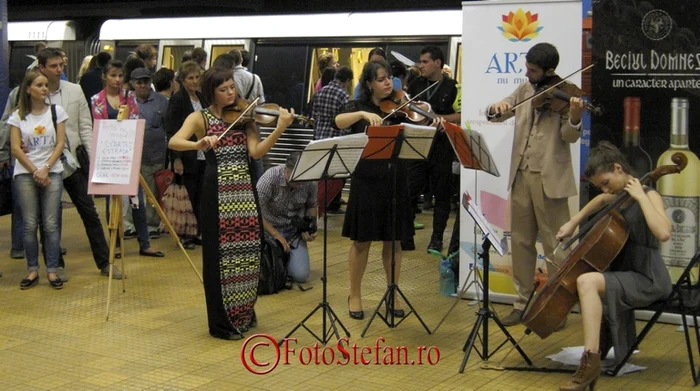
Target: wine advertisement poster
[{"x": 647, "y": 80}]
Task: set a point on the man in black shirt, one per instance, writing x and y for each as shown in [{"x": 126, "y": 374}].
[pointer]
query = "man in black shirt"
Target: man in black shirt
[{"x": 444, "y": 100}]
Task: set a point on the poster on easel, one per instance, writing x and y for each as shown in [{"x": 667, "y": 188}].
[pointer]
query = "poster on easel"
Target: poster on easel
[
  {"x": 648, "y": 81},
  {"x": 115, "y": 163},
  {"x": 506, "y": 30}
]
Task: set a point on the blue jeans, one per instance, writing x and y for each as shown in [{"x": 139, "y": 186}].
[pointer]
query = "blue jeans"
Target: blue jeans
[
  {"x": 140, "y": 222},
  {"x": 17, "y": 223},
  {"x": 298, "y": 268},
  {"x": 41, "y": 203}
]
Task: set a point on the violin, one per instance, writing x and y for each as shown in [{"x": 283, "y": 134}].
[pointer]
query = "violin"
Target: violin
[
  {"x": 264, "y": 115},
  {"x": 555, "y": 94},
  {"x": 601, "y": 240},
  {"x": 400, "y": 105}
]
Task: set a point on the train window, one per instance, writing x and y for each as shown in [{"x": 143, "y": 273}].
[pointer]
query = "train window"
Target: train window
[
  {"x": 21, "y": 57},
  {"x": 353, "y": 57},
  {"x": 217, "y": 50},
  {"x": 126, "y": 48},
  {"x": 172, "y": 55},
  {"x": 282, "y": 72}
]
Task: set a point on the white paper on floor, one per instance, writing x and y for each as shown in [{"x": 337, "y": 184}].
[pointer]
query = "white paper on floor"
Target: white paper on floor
[{"x": 572, "y": 356}]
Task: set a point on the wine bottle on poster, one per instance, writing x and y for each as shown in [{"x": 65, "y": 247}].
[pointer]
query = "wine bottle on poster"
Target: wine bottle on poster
[
  {"x": 680, "y": 192},
  {"x": 636, "y": 156}
]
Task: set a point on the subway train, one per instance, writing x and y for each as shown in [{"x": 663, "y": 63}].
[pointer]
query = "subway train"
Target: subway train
[{"x": 284, "y": 48}]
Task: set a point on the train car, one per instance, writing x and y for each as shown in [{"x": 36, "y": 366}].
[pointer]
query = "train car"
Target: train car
[
  {"x": 284, "y": 48},
  {"x": 22, "y": 37}
]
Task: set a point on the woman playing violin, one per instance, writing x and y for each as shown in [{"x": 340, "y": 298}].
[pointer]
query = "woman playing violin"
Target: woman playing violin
[
  {"x": 367, "y": 218},
  {"x": 231, "y": 225},
  {"x": 637, "y": 277}
]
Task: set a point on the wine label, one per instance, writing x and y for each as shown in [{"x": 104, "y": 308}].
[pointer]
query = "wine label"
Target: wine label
[{"x": 683, "y": 213}]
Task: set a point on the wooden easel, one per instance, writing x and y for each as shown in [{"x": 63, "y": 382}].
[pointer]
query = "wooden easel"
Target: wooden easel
[{"x": 116, "y": 226}]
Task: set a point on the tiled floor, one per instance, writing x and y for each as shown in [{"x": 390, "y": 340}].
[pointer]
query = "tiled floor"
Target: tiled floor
[{"x": 156, "y": 337}]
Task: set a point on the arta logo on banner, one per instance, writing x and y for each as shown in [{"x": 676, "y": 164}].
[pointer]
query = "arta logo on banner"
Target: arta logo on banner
[{"x": 520, "y": 26}]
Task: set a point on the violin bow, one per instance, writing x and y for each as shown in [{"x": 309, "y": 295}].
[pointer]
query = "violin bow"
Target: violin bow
[
  {"x": 563, "y": 80},
  {"x": 409, "y": 101},
  {"x": 247, "y": 109}
]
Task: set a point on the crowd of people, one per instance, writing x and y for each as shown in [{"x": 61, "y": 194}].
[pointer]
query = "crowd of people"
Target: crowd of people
[{"x": 188, "y": 129}]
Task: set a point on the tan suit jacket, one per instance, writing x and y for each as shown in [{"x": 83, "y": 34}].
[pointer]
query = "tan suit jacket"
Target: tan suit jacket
[{"x": 552, "y": 133}]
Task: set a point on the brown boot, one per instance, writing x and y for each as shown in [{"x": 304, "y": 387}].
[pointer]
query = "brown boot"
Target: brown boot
[{"x": 586, "y": 374}]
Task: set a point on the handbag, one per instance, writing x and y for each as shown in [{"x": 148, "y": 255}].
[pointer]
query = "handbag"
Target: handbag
[
  {"x": 70, "y": 164},
  {"x": 163, "y": 179},
  {"x": 5, "y": 190},
  {"x": 178, "y": 209}
]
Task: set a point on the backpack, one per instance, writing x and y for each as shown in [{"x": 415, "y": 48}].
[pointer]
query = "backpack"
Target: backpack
[{"x": 273, "y": 267}]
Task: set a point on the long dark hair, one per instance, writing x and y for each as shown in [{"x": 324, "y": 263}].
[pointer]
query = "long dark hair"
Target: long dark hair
[{"x": 369, "y": 74}]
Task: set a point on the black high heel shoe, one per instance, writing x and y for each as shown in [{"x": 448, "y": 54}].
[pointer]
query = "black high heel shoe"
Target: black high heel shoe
[{"x": 359, "y": 315}]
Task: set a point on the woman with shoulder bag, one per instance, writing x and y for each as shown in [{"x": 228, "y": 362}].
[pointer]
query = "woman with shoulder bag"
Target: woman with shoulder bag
[{"x": 38, "y": 174}]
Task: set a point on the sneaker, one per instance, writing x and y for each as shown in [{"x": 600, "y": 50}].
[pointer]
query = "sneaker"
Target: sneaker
[
  {"x": 62, "y": 275},
  {"x": 155, "y": 234},
  {"x": 338, "y": 211},
  {"x": 435, "y": 244},
  {"x": 513, "y": 318},
  {"x": 129, "y": 234},
  {"x": 116, "y": 274},
  {"x": 17, "y": 254},
  {"x": 417, "y": 225}
]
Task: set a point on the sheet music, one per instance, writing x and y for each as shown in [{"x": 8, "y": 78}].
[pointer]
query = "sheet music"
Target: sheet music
[
  {"x": 474, "y": 210},
  {"x": 471, "y": 149},
  {"x": 419, "y": 139},
  {"x": 315, "y": 156},
  {"x": 113, "y": 157}
]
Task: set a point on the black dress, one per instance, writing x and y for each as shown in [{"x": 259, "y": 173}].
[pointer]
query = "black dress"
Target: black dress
[
  {"x": 368, "y": 215},
  {"x": 231, "y": 234}
]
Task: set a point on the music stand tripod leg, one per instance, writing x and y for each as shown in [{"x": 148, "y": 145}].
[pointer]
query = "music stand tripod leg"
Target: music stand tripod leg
[{"x": 483, "y": 318}]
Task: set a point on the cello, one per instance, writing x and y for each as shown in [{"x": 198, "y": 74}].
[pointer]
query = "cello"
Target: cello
[{"x": 601, "y": 240}]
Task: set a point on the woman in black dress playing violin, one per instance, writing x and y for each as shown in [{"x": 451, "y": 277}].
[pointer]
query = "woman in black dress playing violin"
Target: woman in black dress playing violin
[
  {"x": 368, "y": 217},
  {"x": 636, "y": 278}
]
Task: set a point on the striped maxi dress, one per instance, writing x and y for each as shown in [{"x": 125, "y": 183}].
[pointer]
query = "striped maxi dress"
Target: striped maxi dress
[{"x": 231, "y": 233}]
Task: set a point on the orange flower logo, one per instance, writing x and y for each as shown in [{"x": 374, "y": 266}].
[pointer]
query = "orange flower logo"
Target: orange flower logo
[
  {"x": 39, "y": 130},
  {"x": 520, "y": 26}
]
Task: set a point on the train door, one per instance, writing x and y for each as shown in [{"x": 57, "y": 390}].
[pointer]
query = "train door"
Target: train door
[
  {"x": 455, "y": 58},
  {"x": 217, "y": 47},
  {"x": 170, "y": 52}
]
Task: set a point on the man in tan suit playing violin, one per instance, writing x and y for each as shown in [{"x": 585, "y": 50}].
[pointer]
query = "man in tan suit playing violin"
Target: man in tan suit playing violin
[{"x": 541, "y": 175}]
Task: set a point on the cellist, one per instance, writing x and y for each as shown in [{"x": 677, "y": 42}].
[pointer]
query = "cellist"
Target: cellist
[
  {"x": 541, "y": 175},
  {"x": 636, "y": 278}
]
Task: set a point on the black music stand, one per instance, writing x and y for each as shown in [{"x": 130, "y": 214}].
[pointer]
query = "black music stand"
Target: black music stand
[
  {"x": 485, "y": 313},
  {"x": 473, "y": 153},
  {"x": 393, "y": 144},
  {"x": 323, "y": 160}
]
